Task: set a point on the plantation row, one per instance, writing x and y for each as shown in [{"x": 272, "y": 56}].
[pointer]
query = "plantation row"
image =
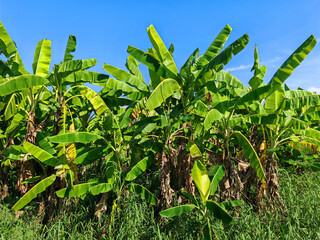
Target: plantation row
[{"x": 213, "y": 141}]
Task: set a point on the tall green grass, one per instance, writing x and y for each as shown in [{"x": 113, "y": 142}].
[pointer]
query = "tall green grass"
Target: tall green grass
[{"x": 134, "y": 219}]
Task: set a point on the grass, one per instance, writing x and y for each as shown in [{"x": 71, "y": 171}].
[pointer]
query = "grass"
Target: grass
[{"x": 135, "y": 219}]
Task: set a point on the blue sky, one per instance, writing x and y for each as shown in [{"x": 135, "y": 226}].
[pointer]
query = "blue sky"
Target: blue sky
[{"x": 104, "y": 29}]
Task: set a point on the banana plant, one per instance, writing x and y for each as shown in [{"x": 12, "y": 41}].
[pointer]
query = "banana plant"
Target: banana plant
[
  {"x": 207, "y": 209},
  {"x": 47, "y": 156},
  {"x": 174, "y": 92},
  {"x": 278, "y": 116},
  {"x": 117, "y": 176}
]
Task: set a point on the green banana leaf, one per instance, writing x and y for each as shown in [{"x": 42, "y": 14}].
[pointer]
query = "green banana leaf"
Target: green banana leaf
[
  {"x": 41, "y": 155},
  {"x": 302, "y": 101},
  {"x": 215, "y": 177},
  {"x": 251, "y": 154},
  {"x": 75, "y": 190},
  {"x": 259, "y": 71},
  {"x": 212, "y": 116},
  {"x": 191, "y": 197},
  {"x": 194, "y": 150},
  {"x": 5, "y": 71},
  {"x": 9, "y": 49},
  {"x": 274, "y": 101},
  {"x": 164, "y": 90},
  {"x": 215, "y": 47},
  {"x": 71, "y": 47},
  {"x": 139, "y": 168},
  {"x": 21, "y": 82},
  {"x": 144, "y": 193},
  {"x": 74, "y": 137},
  {"x": 225, "y": 56},
  {"x": 162, "y": 51},
  {"x": 85, "y": 76},
  {"x": 90, "y": 155},
  {"x": 177, "y": 211},
  {"x": 230, "y": 204},
  {"x": 126, "y": 77},
  {"x": 132, "y": 66},
  {"x": 254, "y": 95},
  {"x": 294, "y": 61},
  {"x": 97, "y": 102},
  {"x": 185, "y": 70},
  {"x": 218, "y": 212},
  {"x": 42, "y": 58},
  {"x": 201, "y": 180},
  {"x": 33, "y": 192},
  {"x": 152, "y": 63},
  {"x": 101, "y": 188},
  {"x": 70, "y": 66}
]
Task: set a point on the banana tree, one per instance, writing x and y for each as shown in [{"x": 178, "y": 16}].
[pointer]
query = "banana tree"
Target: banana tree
[
  {"x": 208, "y": 209},
  {"x": 49, "y": 156},
  {"x": 278, "y": 117},
  {"x": 173, "y": 95}
]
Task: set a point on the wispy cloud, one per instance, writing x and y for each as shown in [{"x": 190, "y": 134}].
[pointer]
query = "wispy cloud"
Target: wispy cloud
[
  {"x": 238, "y": 68},
  {"x": 249, "y": 66},
  {"x": 272, "y": 60},
  {"x": 314, "y": 89}
]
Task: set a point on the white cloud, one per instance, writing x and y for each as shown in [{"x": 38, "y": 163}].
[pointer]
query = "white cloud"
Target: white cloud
[
  {"x": 272, "y": 60},
  {"x": 241, "y": 67},
  {"x": 249, "y": 66},
  {"x": 314, "y": 89}
]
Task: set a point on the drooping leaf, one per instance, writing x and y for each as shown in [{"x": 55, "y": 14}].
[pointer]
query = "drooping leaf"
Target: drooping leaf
[
  {"x": 19, "y": 83},
  {"x": 89, "y": 155},
  {"x": 97, "y": 102},
  {"x": 139, "y": 168},
  {"x": 177, "y": 211},
  {"x": 274, "y": 101},
  {"x": 212, "y": 116},
  {"x": 75, "y": 191},
  {"x": 101, "y": 188},
  {"x": 218, "y": 212},
  {"x": 33, "y": 192},
  {"x": 143, "y": 193},
  {"x": 164, "y": 90},
  {"x": 85, "y": 76},
  {"x": 251, "y": 154},
  {"x": 191, "y": 197},
  {"x": 9, "y": 49},
  {"x": 126, "y": 77},
  {"x": 74, "y": 137},
  {"x": 41, "y": 155},
  {"x": 230, "y": 204},
  {"x": 152, "y": 63}
]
